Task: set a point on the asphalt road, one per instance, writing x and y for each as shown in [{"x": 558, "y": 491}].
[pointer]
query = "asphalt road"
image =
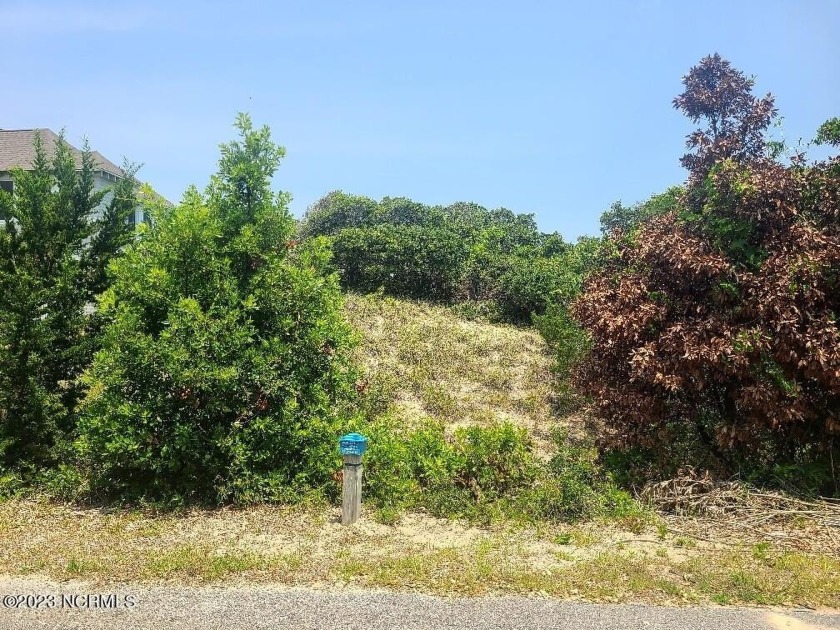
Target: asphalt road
[{"x": 85, "y": 607}]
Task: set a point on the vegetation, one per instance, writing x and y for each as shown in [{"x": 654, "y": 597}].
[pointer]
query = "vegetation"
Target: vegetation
[
  {"x": 293, "y": 546},
  {"x": 463, "y": 421},
  {"x": 223, "y": 359},
  {"x": 715, "y": 339},
  {"x": 621, "y": 219},
  {"x": 55, "y": 245},
  {"x": 699, "y": 332},
  {"x": 224, "y": 368},
  {"x": 490, "y": 261},
  {"x": 486, "y": 474},
  {"x": 424, "y": 364}
]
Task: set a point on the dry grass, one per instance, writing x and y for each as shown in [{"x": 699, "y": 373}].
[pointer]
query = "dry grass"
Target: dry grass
[
  {"x": 308, "y": 547},
  {"x": 436, "y": 365}
]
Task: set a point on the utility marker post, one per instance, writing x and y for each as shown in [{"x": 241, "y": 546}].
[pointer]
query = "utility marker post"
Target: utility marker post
[{"x": 352, "y": 447}]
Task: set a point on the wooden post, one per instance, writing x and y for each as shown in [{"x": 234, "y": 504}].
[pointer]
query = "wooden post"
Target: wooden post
[{"x": 351, "y": 491}]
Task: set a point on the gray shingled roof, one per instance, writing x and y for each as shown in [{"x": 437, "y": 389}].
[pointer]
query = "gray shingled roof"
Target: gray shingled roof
[{"x": 17, "y": 149}]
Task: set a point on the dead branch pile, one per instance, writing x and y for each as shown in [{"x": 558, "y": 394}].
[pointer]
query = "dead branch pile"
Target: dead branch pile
[{"x": 693, "y": 494}]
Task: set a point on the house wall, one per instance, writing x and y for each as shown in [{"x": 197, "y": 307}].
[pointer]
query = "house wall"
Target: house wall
[
  {"x": 104, "y": 181},
  {"x": 101, "y": 181}
]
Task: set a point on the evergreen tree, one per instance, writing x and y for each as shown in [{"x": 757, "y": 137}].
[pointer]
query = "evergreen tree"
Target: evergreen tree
[{"x": 54, "y": 247}]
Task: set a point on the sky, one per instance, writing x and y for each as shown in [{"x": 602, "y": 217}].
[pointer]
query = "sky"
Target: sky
[{"x": 552, "y": 108}]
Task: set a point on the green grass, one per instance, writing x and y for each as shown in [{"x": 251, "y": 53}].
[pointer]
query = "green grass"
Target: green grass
[
  {"x": 592, "y": 561},
  {"x": 780, "y": 578},
  {"x": 194, "y": 562}
]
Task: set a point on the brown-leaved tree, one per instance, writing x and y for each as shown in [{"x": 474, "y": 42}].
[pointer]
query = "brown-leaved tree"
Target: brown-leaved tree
[{"x": 715, "y": 326}]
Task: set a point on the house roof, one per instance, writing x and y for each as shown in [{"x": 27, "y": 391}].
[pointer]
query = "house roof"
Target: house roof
[{"x": 17, "y": 150}]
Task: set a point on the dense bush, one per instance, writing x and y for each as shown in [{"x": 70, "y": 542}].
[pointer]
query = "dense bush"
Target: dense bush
[
  {"x": 59, "y": 235},
  {"x": 450, "y": 476},
  {"x": 485, "y": 472},
  {"x": 569, "y": 342},
  {"x": 624, "y": 219},
  {"x": 461, "y": 253},
  {"x": 528, "y": 286},
  {"x": 479, "y": 466},
  {"x": 574, "y": 485},
  {"x": 224, "y": 364},
  {"x": 338, "y": 211},
  {"x": 404, "y": 260},
  {"x": 714, "y": 329}
]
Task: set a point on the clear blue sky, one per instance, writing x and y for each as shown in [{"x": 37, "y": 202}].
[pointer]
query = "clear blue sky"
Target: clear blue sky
[{"x": 547, "y": 107}]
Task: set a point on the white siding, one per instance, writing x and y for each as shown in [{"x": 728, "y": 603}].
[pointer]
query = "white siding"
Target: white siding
[
  {"x": 101, "y": 181},
  {"x": 105, "y": 181}
]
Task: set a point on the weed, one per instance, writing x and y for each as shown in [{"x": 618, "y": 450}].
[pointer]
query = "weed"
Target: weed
[
  {"x": 685, "y": 542},
  {"x": 387, "y": 515},
  {"x": 759, "y": 550}
]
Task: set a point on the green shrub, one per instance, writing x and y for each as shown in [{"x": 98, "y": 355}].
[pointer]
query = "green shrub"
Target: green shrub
[
  {"x": 460, "y": 253},
  {"x": 224, "y": 371},
  {"x": 476, "y": 468},
  {"x": 528, "y": 286},
  {"x": 403, "y": 211},
  {"x": 337, "y": 211},
  {"x": 493, "y": 461},
  {"x": 404, "y": 260},
  {"x": 58, "y": 237},
  {"x": 389, "y": 482},
  {"x": 570, "y": 344},
  {"x": 485, "y": 473},
  {"x": 627, "y": 219},
  {"x": 448, "y": 475},
  {"x": 574, "y": 486},
  {"x": 11, "y": 484}
]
